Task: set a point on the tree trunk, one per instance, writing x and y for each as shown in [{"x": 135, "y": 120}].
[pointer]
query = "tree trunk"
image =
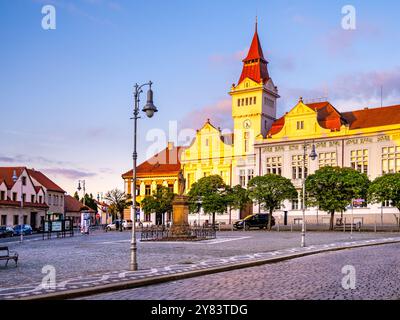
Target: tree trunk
[
  {"x": 331, "y": 222},
  {"x": 213, "y": 219},
  {"x": 270, "y": 220}
]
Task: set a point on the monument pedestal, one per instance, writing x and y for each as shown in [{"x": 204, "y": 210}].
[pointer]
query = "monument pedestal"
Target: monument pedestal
[{"x": 180, "y": 217}]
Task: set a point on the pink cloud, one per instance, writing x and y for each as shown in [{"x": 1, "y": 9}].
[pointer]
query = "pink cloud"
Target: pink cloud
[{"x": 220, "y": 114}]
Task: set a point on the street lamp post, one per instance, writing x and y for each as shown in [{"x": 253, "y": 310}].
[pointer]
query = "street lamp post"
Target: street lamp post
[
  {"x": 313, "y": 156},
  {"x": 149, "y": 109},
  {"x": 83, "y": 187},
  {"x": 15, "y": 178}
]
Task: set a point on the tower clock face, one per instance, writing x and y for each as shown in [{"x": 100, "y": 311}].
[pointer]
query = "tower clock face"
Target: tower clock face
[{"x": 247, "y": 124}]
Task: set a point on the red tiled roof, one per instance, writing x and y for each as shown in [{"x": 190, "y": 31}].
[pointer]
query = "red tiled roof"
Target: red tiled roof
[
  {"x": 164, "y": 162},
  {"x": 44, "y": 181},
  {"x": 277, "y": 126},
  {"x": 375, "y": 117},
  {"x": 328, "y": 116},
  {"x": 255, "y": 65},
  {"x": 6, "y": 174},
  {"x": 73, "y": 205}
]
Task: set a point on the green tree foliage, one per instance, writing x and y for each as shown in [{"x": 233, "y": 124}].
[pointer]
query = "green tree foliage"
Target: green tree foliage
[
  {"x": 333, "y": 189},
  {"x": 385, "y": 188},
  {"x": 270, "y": 191},
  {"x": 76, "y": 196},
  {"x": 160, "y": 202},
  {"x": 212, "y": 192},
  {"x": 90, "y": 202}
]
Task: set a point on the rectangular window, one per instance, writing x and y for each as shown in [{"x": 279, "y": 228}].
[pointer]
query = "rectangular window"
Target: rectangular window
[
  {"x": 250, "y": 174},
  {"x": 147, "y": 217},
  {"x": 32, "y": 198},
  {"x": 327, "y": 159},
  {"x": 274, "y": 165},
  {"x": 3, "y": 220},
  {"x": 238, "y": 102},
  {"x": 24, "y": 197},
  {"x": 2, "y": 195},
  {"x": 206, "y": 143},
  {"x": 255, "y": 100},
  {"x": 15, "y": 220},
  {"x": 14, "y": 196},
  {"x": 242, "y": 178},
  {"x": 300, "y": 125},
  {"x": 297, "y": 167},
  {"x": 387, "y": 204},
  {"x": 295, "y": 204},
  {"x": 24, "y": 181},
  {"x": 147, "y": 190},
  {"x": 40, "y": 199},
  {"x": 390, "y": 159},
  {"x": 25, "y": 219},
  {"x": 247, "y": 101},
  {"x": 359, "y": 160}
]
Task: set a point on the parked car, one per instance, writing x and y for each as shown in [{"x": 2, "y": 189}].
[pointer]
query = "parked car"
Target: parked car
[
  {"x": 6, "y": 232},
  {"x": 126, "y": 224},
  {"x": 259, "y": 220},
  {"x": 26, "y": 229}
]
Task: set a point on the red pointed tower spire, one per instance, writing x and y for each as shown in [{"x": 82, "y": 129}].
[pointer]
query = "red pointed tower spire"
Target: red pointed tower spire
[{"x": 255, "y": 65}]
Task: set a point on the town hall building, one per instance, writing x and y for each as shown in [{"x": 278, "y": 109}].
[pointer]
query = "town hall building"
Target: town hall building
[{"x": 367, "y": 140}]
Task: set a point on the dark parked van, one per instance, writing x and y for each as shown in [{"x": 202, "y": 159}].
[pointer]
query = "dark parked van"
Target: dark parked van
[{"x": 259, "y": 220}]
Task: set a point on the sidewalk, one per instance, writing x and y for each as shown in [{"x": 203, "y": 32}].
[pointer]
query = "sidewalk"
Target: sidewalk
[{"x": 124, "y": 279}]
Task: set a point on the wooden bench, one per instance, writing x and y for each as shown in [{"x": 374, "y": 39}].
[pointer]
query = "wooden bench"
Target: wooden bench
[
  {"x": 6, "y": 254},
  {"x": 347, "y": 226}
]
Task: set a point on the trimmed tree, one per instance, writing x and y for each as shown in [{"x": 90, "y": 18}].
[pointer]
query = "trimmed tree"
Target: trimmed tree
[
  {"x": 238, "y": 198},
  {"x": 270, "y": 191},
  {"x": 333, "y": 189},
  {"x": 118, "y": 201},
  {"x": 159, "y": 203},
  {"x": 212, "y": 192},
  {"x": 386, "y": 188}
]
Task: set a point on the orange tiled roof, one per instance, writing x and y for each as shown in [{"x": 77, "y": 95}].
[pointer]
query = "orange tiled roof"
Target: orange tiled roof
[
  {"x": 165, "y": 162},
  {"x": 375, "y": 117},
  {"x": 330, "y": 118}
]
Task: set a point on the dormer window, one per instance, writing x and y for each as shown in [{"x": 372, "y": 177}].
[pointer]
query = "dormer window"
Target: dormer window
[{"x": 300, "y": 125}]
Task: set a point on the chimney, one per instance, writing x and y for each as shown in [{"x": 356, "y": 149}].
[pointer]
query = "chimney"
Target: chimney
[{"x": 170, "y": 145}]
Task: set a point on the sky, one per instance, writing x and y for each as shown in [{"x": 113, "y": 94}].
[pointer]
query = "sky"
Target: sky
[{"x": 66, "y": 94}]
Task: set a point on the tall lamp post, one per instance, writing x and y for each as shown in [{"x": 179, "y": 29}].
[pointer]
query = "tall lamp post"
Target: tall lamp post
[
  {"x": 149, "y": 109},
  {"x": 313, "y": 156},
  {"x": 83, "y": 187},
  {"x": 15, "y": 178}
]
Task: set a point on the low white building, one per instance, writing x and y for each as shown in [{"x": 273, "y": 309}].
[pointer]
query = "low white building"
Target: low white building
[{"x": 39, "y": 195}]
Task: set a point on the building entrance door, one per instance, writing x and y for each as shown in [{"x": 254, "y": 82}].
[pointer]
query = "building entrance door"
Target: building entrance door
[{"x": 33, "y": 220}]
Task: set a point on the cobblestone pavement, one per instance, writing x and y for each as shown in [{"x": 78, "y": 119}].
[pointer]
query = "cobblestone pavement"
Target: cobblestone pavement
[
  {"x": 100, "y": 252},
  {"x": 311, "y": 277}
]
